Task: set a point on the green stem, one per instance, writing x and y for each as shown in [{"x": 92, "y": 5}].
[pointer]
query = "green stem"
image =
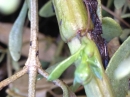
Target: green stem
[
  {"x": 74, "y": 45},
  {"x": 97, "y": 87}
]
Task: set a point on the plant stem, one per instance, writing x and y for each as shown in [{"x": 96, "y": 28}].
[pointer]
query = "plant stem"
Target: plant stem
[
  {"x": 57, "y": 82},
  {"x": 99, "y": 88},
  {"x": 13, "y": 78},
  {"x": 32, "y": 61},
  {"x": 32, "y": 81}
]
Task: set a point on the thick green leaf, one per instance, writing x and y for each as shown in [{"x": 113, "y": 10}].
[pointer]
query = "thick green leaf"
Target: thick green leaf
[
  {"x": 125, "y": 15},
  {"x": 110, "y": 28},
  {"x": 119, "y": 3},
  {"x": 62, "y": 66},
  {"x": 15, "y": 37},
  {"x": 47, "y": 10},
  {"x": 114, "y": 70}
]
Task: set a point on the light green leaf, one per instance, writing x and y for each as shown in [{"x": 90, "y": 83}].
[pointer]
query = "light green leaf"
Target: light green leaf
[
  {"x": 15, "y": 36},
  {"x": 62, "y": 66},
  {"x": 125, "y": 15},
  {"x": 47, "y": 10},
  {"x": 110, "y": 28},
  {"x": 115, "y": 69},
  {"x": 119, "y": 3},
  {"x": 124, "y": 35}
]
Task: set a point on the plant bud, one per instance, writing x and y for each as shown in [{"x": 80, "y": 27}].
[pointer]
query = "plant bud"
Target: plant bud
[{"x": 73, "y": 18}]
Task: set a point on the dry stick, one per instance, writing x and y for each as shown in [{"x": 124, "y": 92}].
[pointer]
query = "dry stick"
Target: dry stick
[
  {"x": 56, "y": 82},
  {"x": 32, "y": 61},
  {"x": 112, "y": 13},
  {"x": 13, "y": 78}
]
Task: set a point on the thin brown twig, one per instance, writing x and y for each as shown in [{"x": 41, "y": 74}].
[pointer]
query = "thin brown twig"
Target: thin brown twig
[
  {"x": 56, "y": 82},
  {"x": 33, "y": 60},
  {"x": 116, "y": 16},
  {"x": 13, "y": 77}
]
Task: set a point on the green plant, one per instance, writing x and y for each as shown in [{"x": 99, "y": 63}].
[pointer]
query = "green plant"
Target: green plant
[{"x": 80, "y": 26}]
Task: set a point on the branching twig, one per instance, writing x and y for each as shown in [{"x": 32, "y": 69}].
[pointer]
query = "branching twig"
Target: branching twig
[
  {"x": 57, "y": 82},
  {"x": 112, "y": 13},
  {"x": 32, "y": 61},
  {"x": 13, "y": 77}
]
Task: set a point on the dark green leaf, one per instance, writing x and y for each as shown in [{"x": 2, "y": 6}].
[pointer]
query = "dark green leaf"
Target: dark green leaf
[
  {"x": 110, "y": 28},
  {"x": 47, "y": 10}
]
